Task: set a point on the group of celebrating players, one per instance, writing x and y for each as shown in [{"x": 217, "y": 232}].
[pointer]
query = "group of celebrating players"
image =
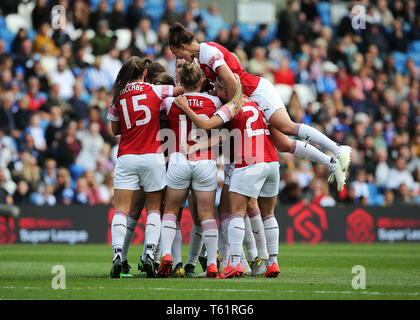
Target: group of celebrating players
[{"x": 212, "y": 91}]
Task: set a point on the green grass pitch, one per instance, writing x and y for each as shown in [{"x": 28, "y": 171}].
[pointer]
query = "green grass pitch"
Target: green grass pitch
[{"x": 307, "y": 272}]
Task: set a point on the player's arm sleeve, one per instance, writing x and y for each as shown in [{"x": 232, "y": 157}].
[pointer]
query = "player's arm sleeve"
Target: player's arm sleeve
[
  {"x": 166, "y": 104},
  {"x": 212, "y": 57},
  {"x": 113, "y": 114},
  {"x": 163, "y": 91},
  {"x": 225, "y": 112}
]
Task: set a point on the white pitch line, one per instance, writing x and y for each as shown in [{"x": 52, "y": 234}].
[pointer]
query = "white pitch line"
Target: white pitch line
[{"x": 233, "y": 290}]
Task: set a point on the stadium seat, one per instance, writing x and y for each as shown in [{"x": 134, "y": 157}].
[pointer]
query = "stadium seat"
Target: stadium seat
[
  {"x": 284, "y": 91},
  {"x": 305, "y": 94},
  {"x": 94, "y": 4},
  {"x": 76, "y": 171},
  {"x": 414, "y": 46},
  {"x": 2, "y": 22},
  {"x": 415, "y": 56},
  {"x": 8, "y": 37},
  {"x": 247, "y": 31},
  {"x": 400, "y": 60},
  {"x": 324, "y": 12},
  {"x": 124, "y": 38}
]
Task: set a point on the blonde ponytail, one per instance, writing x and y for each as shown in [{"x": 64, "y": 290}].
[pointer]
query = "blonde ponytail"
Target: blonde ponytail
[{"x": 237, "y": 98}]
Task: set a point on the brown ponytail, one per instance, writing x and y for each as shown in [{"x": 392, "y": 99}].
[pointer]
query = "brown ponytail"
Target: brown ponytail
[
  {"x": 178, "y": 35},
  {"x": 154, "y": 69},
  {"x": 190, "y": 76},
  {"x": 131, "y": 70}
]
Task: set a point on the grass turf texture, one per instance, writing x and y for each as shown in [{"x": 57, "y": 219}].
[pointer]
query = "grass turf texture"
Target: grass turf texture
[{"x": 307, "y": 272}]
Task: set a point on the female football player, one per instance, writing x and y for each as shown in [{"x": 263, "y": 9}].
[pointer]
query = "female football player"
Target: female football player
[
  {"x": 198, "y": 171},
  {"x": 215, "y": 60},
  {"x": 255, "y": 174},
  {"x": 135, "y": 114}
]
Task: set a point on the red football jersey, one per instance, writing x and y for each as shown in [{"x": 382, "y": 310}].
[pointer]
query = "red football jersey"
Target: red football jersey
[
  {"x": 252, "y": 142},
  {"x": 138, "y": 110},
  {"x": 213, "y": 55},
  {"x": 185, "y": 131}
]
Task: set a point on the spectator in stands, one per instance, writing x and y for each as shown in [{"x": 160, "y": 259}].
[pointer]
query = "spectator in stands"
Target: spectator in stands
[
  {"x": 40, "y": 14},
  {"x": 96, "y": 78},
  {"x": 326, "y": 83},
  {"x": 259, "y": 39},
  {"x": 101, "y": 42},
  {"x": 60, "y": 35},
  {"x": 82, "y": 192},
  {"x": 22, "y": 193},
  {"x": 64, "y": 78},
  {"x": 49, "y": 173},
  {"x": 30, "y": 172},
  {"x": 69, "y": 146},
  {"x": 135, "y": 13},
  {"x": 398, "y": 39},
  {"x": 288, "y": 25},
  {"x": 213, "y": 20},
  {"x": 45, "y": 197},
  {"x": 284, "y": 75},
  {"x": 99, "y": 15},
  {"x": 106, "y": 188},
  {"x": 145, "y": 36},
  {"x": 80, "y": 14},
  {"x": 360, "y": 186},
  {"x": 399, "y": 175},
  {"x": 111, "y": 63},
  {"x": 320, "y": 194},
  {"x": 42, "y": 40},
  {"x": 55, "y": 129},
  {"x": 6, "y": 115},
  {"x": 62, "y": 190},
  {"x": 91, "y": 145},
  {"x": 405, "y": 196},
  {"x": 170, "y": 15},
  {"x": 93, "y": 187},
  {"x": 80, "y": 109},
  {"x": 259, "y": 64},
  {"x": 189, "y": 22},
  {"x": 117, "y": 17}
]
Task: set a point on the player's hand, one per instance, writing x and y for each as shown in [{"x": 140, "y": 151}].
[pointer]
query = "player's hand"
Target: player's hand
[
  {"x": 186, "y": 149},
  {"x": 181, "y": 102}
]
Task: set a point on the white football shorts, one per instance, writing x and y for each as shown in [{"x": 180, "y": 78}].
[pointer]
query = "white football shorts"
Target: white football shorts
[
  {"x": 182, "y": 173},
  {"x": 267, "y": 98},
  {"x": 133, "y": 171},
  {"x": 256, "y": 180}
]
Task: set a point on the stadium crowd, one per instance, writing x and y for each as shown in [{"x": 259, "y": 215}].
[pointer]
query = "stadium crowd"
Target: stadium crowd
[{"x": 361, "y": 88}]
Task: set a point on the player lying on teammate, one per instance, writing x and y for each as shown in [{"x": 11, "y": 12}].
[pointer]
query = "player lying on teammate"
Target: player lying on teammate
[
  {"x": 198, "y": 171},
  {"x": 135, "y": 115},
  {"x": 215, "y": 60},
  {"x": 255, "y": 174}
]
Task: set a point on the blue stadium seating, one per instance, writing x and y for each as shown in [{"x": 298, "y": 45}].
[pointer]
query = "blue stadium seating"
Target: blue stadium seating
[
  {"x": 324, "y": 12},
  {"x": 400, "y": 60},
  {"x": 7, "y": 36},
  {"x": 247, "y": 31},
  {"x": 414, "y": 46},
  {"x": 2, "y": 22},
  {"x": 415, "y": 56}
]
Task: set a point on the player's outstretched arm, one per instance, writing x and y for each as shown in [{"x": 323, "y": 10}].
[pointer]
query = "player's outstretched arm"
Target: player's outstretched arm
[
  {"x": 214, "y": 140},
  {"x": 212, "y": 123}
]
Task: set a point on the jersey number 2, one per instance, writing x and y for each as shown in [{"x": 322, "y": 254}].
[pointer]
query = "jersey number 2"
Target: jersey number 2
[{"x": 136, "y": 107}]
